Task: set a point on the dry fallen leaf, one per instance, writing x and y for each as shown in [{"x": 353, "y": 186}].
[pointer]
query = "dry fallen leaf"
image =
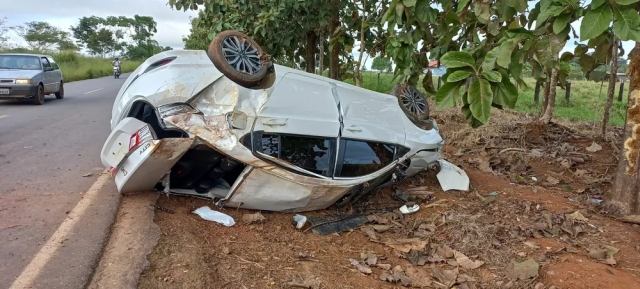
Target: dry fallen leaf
[
  {"x": 370, "y": 232},
  {"x": 381, "y": 228},
  {"x": 384, "y": 266},
  {"x": 406, "y": 245},
  {"x": 398, "y": 275},
  {"x": 226, "y": 250},
  {"x": 553, "y": 181},
  {"x": 594, "y": 147},
  {"x": 361, "y": 267},
  {"x": 419, "y": 277},
  {"x": 532, "y": 245},
  {"x": 444, "y": 251},
  {"x": 604, "y": 255},
  {"x": 465, "y": 262},
  {"x": 446, "y": 277},
  {"x": 577, "y": 216},
  {"x": 253, "y": 218},
  {"x": 523, "y": 270}
]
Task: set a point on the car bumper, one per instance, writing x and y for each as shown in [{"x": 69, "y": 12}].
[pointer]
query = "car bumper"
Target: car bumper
[{"x": 17, "y": 91}]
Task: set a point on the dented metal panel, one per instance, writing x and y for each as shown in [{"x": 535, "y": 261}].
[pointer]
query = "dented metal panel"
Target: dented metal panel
[{"x": 262, "y": 190}]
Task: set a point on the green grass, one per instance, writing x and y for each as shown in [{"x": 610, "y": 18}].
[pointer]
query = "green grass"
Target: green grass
[
  {"x": 75, "y": 66},
  {"x": 586, "y": 102}
]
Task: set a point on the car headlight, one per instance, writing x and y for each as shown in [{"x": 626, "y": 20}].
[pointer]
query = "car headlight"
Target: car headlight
[
  {"x": 24, "y": 81},
  {"x": 175, "y": 108}
]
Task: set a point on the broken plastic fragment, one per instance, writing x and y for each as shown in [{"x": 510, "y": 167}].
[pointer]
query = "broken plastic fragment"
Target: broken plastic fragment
[
  {"x": 214, "y": 216},
  {"x": 409, "y": 210},
  {"x": 452, "y": 177},
  {"x": 299, "y": 221}
]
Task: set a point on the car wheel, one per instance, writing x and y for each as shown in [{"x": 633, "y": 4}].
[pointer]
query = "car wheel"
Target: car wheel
[
  {"x": 38, "y": 99},
  {"x": 60, "y": 93},
  {"x": 239, "y": 58},
  {"x": 412, "y": 102}
]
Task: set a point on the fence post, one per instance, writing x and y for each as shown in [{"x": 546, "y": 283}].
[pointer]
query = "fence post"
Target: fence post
[
  {"x": 568, "y": 91},
  {"x": 439, "y": 81},
  {"x": 621, "y": 90},
  {"x": 378, "y": 78},
  {"x": 536, "y": 95}
]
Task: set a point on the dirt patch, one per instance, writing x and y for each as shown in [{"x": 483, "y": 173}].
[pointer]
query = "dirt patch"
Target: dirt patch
[{"x": 531, "y": 219}]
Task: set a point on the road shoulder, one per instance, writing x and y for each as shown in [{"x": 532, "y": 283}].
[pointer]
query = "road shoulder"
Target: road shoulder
[{"x": 133, "y": 237}]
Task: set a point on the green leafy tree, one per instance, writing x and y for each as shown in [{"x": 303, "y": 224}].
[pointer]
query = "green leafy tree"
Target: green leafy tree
[
  {"x": 40, "y": 36},
  {"x": 4, "y": 39},
  {"x": 198, "y": 38},
  {"x": 381, "y": 64}
]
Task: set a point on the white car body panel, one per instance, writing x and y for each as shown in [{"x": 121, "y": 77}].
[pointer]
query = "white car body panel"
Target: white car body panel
[{"x": 297, "y": 103}]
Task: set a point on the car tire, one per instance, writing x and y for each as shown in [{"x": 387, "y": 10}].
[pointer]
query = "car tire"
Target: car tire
[
  {"x": 60, "y": 93},
  {"x": 38, "y": 99},
  {"x": 250, "y": 64},
  {"x": 412, "y": 102}
]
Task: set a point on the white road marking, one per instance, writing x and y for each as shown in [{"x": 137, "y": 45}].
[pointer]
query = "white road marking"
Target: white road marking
[
  {"x": 99, "y": 89},
  {"x": 28, "y": 276},
  {"x": 3, "y": 116}
]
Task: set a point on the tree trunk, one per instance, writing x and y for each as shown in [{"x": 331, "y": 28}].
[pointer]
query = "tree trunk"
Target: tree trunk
[
  {"x": 310, "y": 56},
  {"x": 321, "y": 54},
  {"x": 545, "y": 95},
  {"x": 551, "y": 100},
  {"x": 334, "y": 53},
  {"x": 612, "y": 86},
  {"x": 625, "y": 195},
  {"x": 356, "y": 70}
]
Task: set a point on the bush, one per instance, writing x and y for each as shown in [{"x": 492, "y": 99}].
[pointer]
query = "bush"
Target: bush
[{"x": 75, "y": 66}]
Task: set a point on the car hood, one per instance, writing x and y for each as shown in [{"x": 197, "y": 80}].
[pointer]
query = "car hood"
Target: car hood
[{"x": 18, "y": 73}]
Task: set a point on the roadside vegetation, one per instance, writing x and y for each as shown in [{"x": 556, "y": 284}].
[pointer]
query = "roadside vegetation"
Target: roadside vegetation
[{"x": 87, "y": 51}]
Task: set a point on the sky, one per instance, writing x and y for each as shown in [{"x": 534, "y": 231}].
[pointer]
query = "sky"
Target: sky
[{"x": 172, "y": 24}]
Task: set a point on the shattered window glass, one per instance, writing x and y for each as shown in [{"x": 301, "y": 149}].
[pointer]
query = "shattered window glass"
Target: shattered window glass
[
  {"x": 311, "y": 154},
  {"x": 362, "y": 158}
]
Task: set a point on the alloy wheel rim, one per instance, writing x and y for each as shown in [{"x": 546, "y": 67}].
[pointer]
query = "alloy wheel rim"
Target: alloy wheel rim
[
  {"x": 413, "y": 101},
  {"x": 241, "y": 55}
]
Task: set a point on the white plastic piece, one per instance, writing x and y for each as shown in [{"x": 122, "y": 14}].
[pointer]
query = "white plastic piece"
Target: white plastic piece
[
  {"x": 409, "y": 210},
  {"x": 452, "y": 177},
  {"x": 299, "y": 221},
  {"x": 214, "y": 216}
]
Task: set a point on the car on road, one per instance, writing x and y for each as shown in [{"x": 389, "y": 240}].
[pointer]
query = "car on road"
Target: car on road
[
  {"x": 29, "y": 76},
  {"x": 247, "y": 133}
]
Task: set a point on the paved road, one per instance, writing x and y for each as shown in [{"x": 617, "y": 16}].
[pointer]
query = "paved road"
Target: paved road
[{"x": 44, "y": 153}]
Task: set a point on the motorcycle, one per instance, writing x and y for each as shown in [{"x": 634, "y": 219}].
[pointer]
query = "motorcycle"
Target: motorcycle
[{"x": 116, "y": 71}]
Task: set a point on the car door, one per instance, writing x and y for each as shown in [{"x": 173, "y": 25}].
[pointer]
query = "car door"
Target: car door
[
  {"x": 57, "y": 74},
  {"x": 368, "y": 115},
  {"x": 49, "y": 85},
  {"x": 299, "y": 125}
]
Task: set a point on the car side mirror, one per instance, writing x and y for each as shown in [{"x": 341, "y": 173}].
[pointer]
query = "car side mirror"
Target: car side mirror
[{"x": 48, "y": 69}]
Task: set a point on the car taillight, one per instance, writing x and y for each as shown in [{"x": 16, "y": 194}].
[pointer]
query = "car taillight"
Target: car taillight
[{"x": 141, "y": 136}]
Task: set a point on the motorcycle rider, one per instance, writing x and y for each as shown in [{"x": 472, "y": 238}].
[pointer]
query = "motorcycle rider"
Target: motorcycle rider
[{"x": 116, "y": 62}]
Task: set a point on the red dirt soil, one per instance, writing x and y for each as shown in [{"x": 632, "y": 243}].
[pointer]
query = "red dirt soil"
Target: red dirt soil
[{"x": 194, "y": 253}]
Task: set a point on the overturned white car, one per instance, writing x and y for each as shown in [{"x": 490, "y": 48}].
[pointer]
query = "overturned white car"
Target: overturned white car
[{"x": 249, "y": 134}]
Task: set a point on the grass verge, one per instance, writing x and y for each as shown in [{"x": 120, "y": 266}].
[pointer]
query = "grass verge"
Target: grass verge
[{"x": 75, "y": 66}]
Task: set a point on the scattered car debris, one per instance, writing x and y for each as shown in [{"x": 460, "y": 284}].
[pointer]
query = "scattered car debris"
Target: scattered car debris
[
  {"x": 87, "y": 175},
  {"x": 335, "y": 224},
  {"x": 256, "y": 217},
  {"x": 452, "y": 177},
  {"x": 299, "y": 221},
  {"x": 409, "y": 208},
  {"x": 214, "y": 216}
]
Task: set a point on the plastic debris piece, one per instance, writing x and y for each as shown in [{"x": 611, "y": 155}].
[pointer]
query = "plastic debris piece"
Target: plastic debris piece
[
  {"x": 299, "y": 221},
  {"x": 452, "y": 177},
  {"x": 336, "y": 224},
  {"x": 214, "y": 216},
  {"x": 409, "y": 210}
]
